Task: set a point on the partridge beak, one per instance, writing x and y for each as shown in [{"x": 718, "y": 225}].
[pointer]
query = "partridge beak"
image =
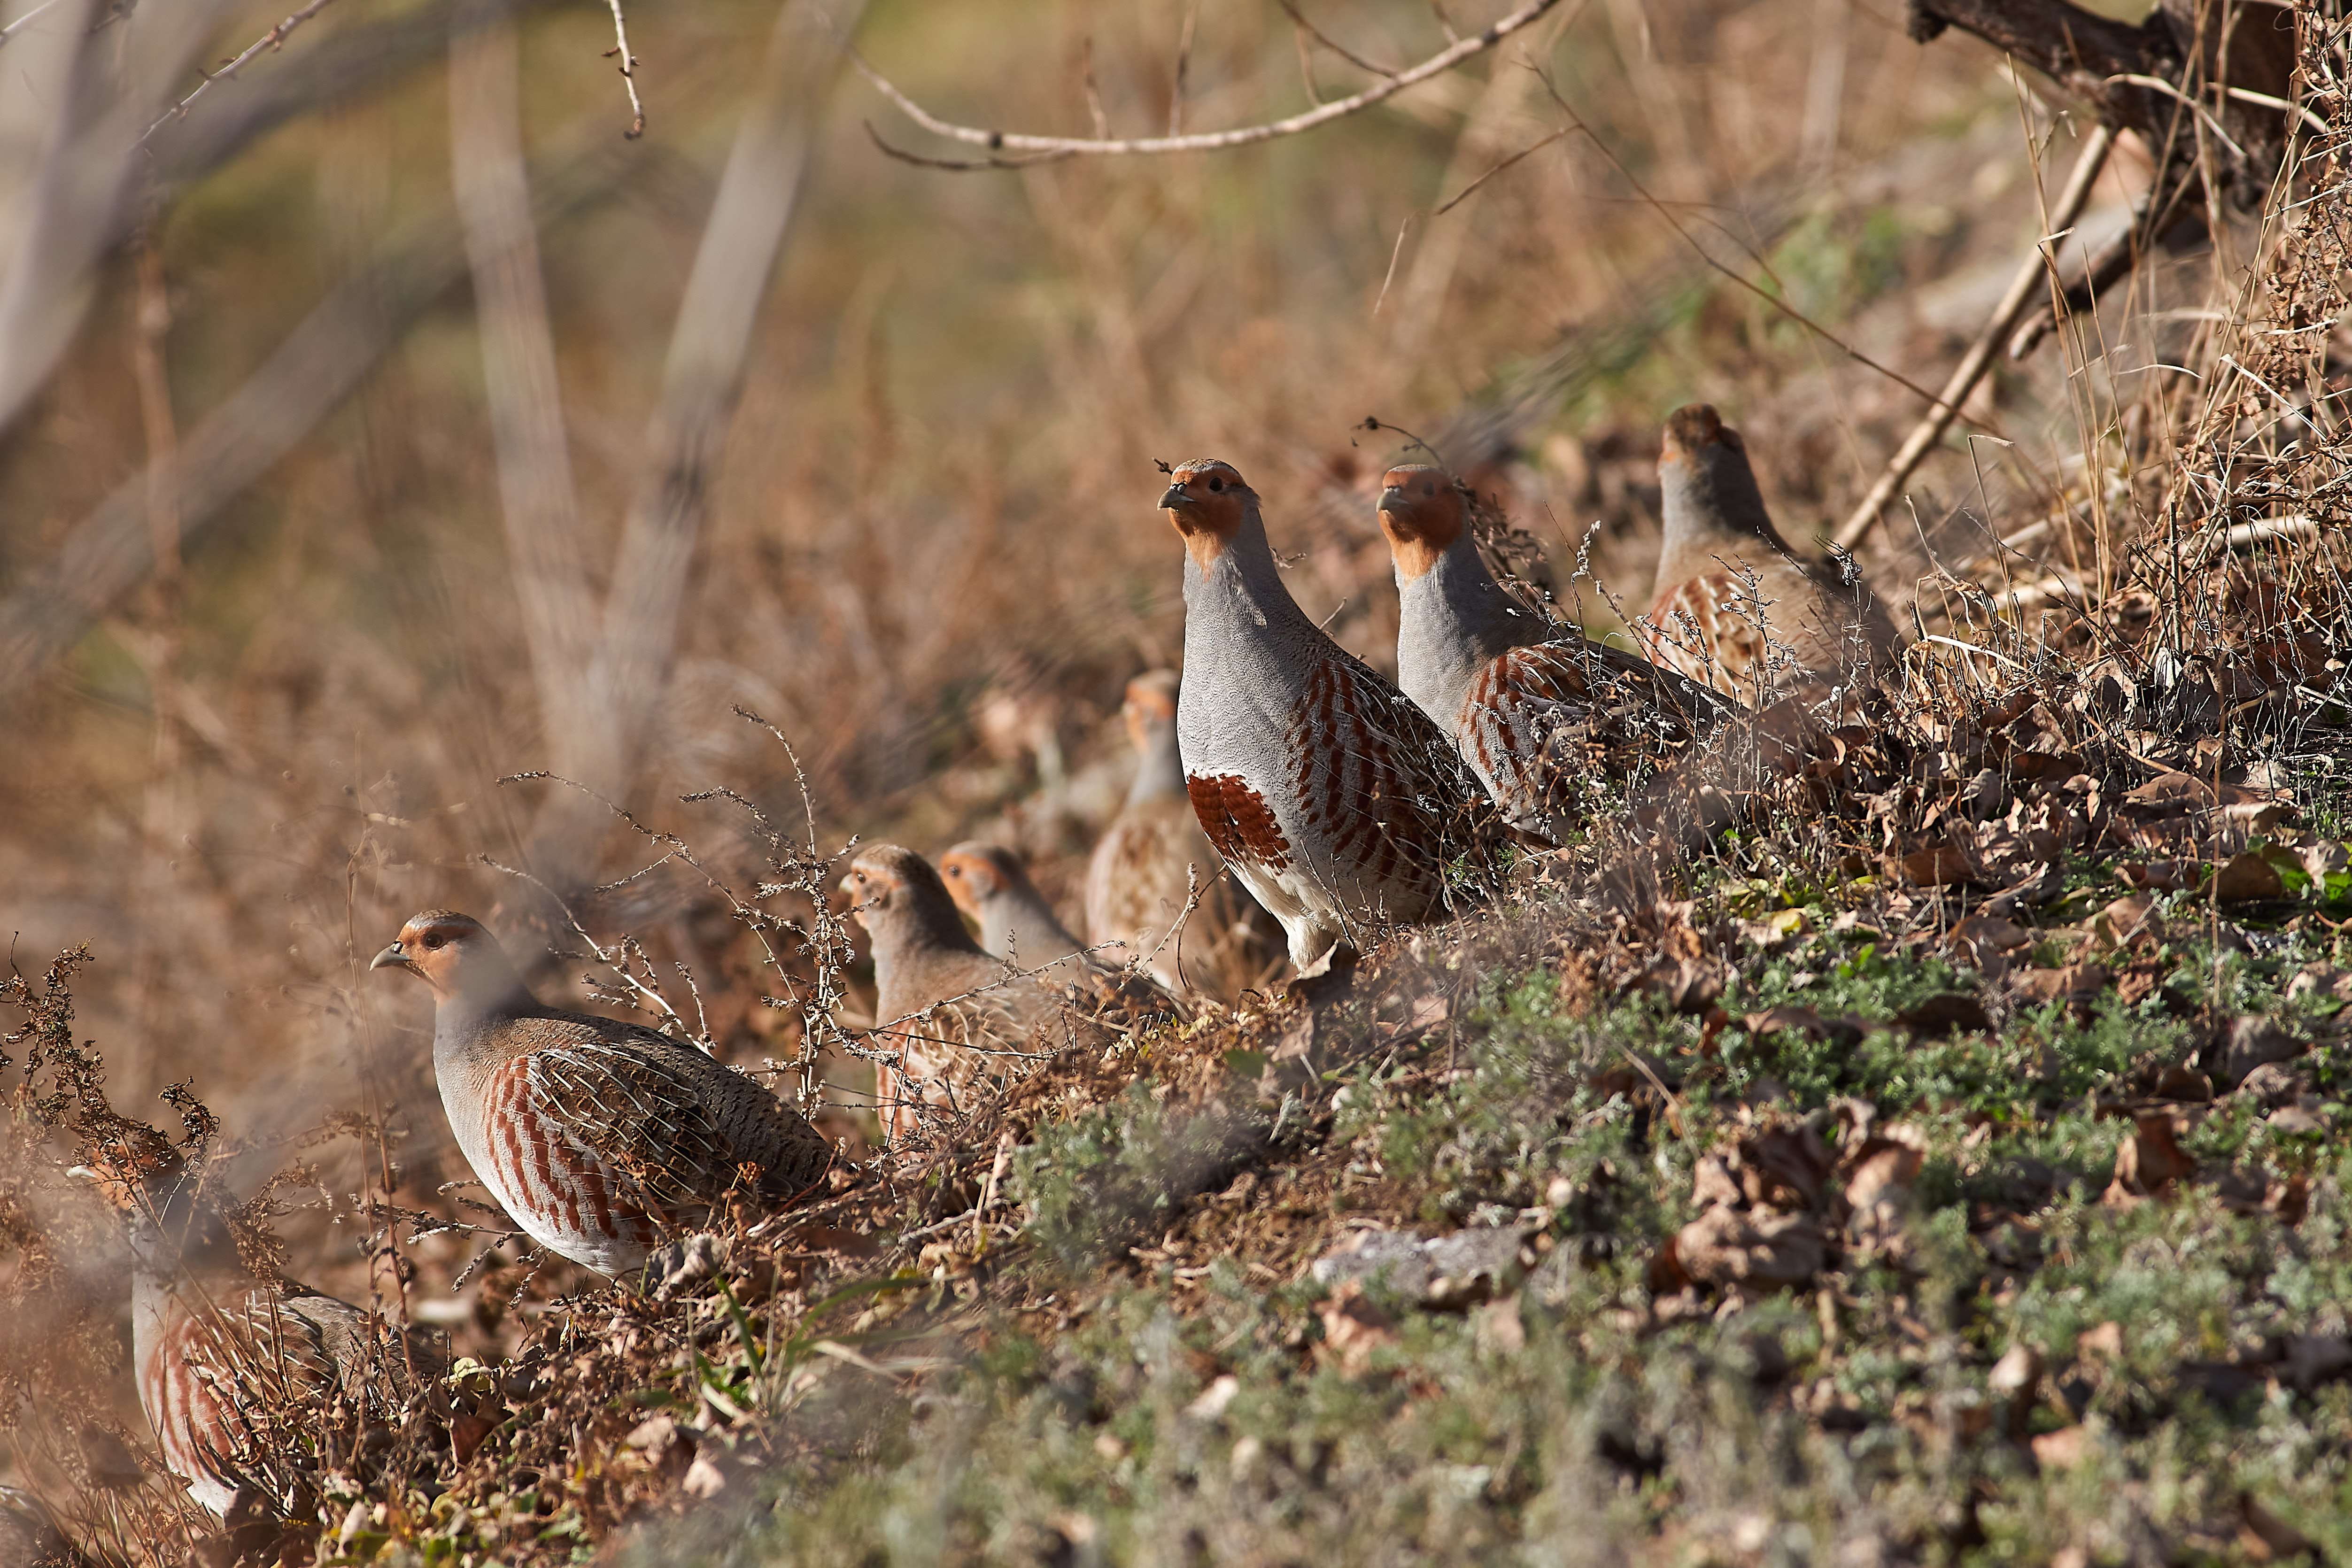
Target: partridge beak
[
  {"x": 1175, "y": 500},
  {"x": 1392, "y": 499},
  {"x": 391, "y": 957}
]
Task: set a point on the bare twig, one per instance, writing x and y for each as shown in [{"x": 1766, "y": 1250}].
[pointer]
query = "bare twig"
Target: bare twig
[
  {"x": 1462, "y": 194},
  {"x": 1972, "y": 366},
  {"x": 1329, "y": 42},
  {"x": 273, "y": 39},
  {"x": 109, "y": 553},
  {"x": 1042, "y": 148},
  {"x": 537, "y": 499},
  {"x": 628, "y": 72},
  {"x": 711, "y": 343},
  {"x": 26, "y": 19}
]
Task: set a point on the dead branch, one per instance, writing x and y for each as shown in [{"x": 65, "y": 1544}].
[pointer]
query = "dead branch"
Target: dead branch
[
  {"x": 273, "y": 39},
  {"x": 64, "y": 217},
  {"x": 1040, "y": 149},
  {"x": 2031, "y": 274},
  {"x": 701, "y": 379},
  {"x": 537, "y": 497},
  {"x": 109, "y": 553},
  {"x": 628, "y": 72}
]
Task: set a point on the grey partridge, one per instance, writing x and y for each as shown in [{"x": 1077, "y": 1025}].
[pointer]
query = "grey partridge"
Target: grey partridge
[
  {"x": 600, "y": 1138},
  {"x": 1335, "y": 800},
  {"x": 29, "y": 1536},
  {"x": 1152, "y": 859},
  {"x": 989, "y": 882},
  {"x": 1736, "y": 607},
  {"x": 1557, "y": 727},
  {"x": 221, "y": 1354},
  {"x": 957, "y": 1021}
]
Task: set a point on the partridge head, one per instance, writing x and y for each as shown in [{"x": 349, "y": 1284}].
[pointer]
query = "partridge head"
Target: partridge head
[{"x": 989, "y": 884}]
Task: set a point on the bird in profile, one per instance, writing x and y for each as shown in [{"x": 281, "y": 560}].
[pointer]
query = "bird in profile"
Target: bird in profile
[
  {"x": 1557, "y": 727},
  {"x": 1736, "y": 607},
  {"x": 1335, "y": 800},
  {"x": 601, "y": 1138},
  {"x": 989, "y": 882},
  {"x": 956, "y": 1022},
  {"x": 222, "y": 1355},
  {"x": 1150, "y": 862}
]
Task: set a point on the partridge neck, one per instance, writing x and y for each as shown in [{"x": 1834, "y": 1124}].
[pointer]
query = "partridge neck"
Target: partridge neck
[
  {"x": 1713, "y": 511},
  {"x": 1159, "y": 767},
  {"x": 465, "y": 1022},
  {"x": 1020, "y": 920},
  {"x": 1455, "y": 621},
  {"x": 1240, "y": 603}
]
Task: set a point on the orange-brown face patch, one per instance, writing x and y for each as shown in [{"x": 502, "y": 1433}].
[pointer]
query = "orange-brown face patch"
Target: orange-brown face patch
[
  {"x": 971, "y": 879},
  {"x": 1205, "y": 499},
  {"x": 1421, "y": 513}
]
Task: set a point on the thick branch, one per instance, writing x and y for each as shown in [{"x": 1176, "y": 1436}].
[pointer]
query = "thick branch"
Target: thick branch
[
  {"x": 1045, "y": 147},
  {"x": 110, "y": 553},
  {"x": 100, "y": 93},
  {"x": 537, "y": 499},
  {"x": 700, "y": 382},
  {"x": 2080, "y": 50}
]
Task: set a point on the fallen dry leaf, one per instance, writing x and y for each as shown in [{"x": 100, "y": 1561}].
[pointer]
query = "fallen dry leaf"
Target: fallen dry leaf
[
  {"x": 2077, "y": 985},
  {"x": 2149, "y": 1161},
  {"x": 1353, "y": 1327}
]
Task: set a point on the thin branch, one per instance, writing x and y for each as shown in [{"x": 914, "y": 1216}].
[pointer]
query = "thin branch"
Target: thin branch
[
  {"x": 20, "y": 23},
  {"x": 628, "y": 72},
  {"x": 1329, "y": 42},
  {"x": 1774, "y": 301},
  {"x": 1462, "y": 194},
  {"x": 273, "y": 39},
  {"x": 1183, "y": 69},
  {"x": 1972, "y": 366},
  {"x": 1045, "y": 147}
]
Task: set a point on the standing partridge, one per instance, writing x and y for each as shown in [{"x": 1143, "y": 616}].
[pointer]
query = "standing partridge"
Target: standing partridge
[
  {"x": 599, "y": 1137},
  {"x": 989, "y": 882},
  {"x": 222, "y": 1356},
  {"x": 1153, "y": 856},
  {"x": 1337, "y": 802},
  {"x": 955, "y": 1017},
  {"x": 1736, "y": 607},
  {"x": 1556, "y": 725}
]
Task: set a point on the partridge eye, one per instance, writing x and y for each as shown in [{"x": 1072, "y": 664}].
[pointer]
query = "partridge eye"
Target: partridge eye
[
  {"x": 433, "y": 943},
  {"x": 1216, "y": 484}
]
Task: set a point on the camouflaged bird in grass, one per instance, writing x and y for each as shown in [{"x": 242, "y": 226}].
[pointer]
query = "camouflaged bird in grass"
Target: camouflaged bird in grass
[
  {"x": 601, "y": 1138},
  {"x": 1557, "y": 727},
  {"x": 957, "y": 1022},
  {"x": 224, "y": 1357},
  {"x": 1336, "y": 802},
  {"x": 1736, "y": 607}
]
